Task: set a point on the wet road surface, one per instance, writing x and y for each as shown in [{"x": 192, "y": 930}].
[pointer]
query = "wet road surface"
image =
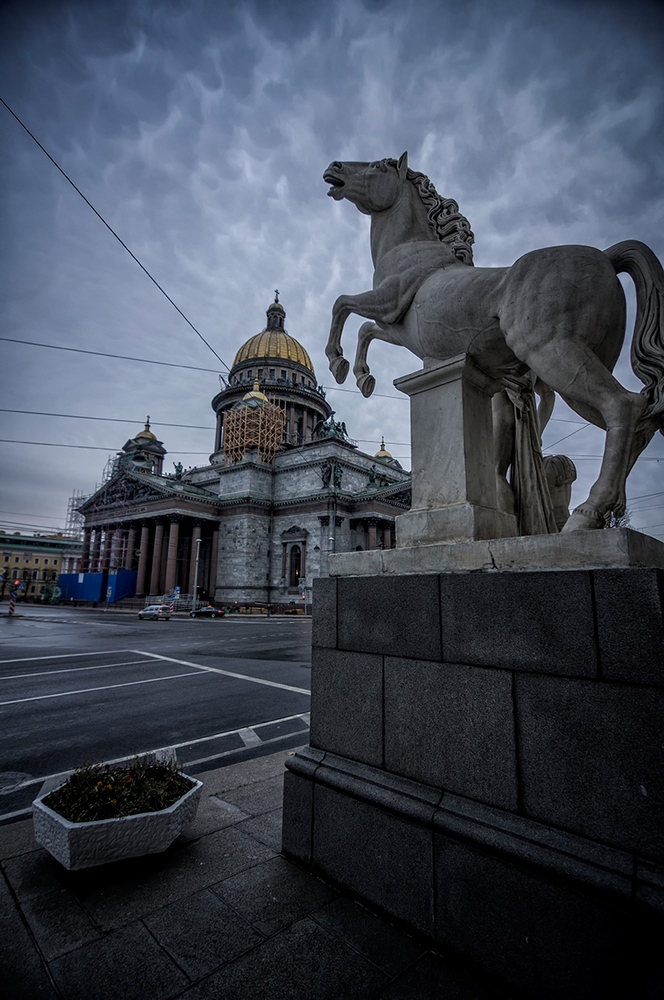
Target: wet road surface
[{"x": 81, "y": 686}]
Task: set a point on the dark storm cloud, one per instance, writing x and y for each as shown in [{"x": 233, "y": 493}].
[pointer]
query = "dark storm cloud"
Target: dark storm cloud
[{"x": 201, "y": 130}]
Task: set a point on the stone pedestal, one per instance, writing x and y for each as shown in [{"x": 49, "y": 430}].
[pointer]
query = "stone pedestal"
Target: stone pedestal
[
  {"x": 487, "y": 764},
  {"x": 454, "y": 483}
]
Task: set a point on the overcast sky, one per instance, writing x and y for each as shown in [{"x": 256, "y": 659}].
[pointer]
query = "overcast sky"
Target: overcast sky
[{"x": 200, "y": 131}]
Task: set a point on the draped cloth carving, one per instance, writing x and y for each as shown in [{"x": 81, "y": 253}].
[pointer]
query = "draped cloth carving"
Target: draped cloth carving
[{"x": 532, "y": 497}]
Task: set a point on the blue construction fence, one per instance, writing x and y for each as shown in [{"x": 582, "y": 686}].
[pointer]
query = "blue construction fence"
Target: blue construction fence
[{"x": 91, "y": 587}]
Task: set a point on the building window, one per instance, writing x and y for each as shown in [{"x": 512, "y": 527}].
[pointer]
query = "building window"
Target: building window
[
  {"x": 271, "y": 372},
  {"x": 55, "y": 562},
  {"x": 37, "y": 561},
  {"x": 294, "y": 377},
  {"x": 45, "y": 561},
  {"x": 260, "y": 373},
  {"x": 295, "y": 563},
  {"x": 35, "y": 574},
  {"x": 283, "y": 374},
  {"x": 16, "y": 559}
]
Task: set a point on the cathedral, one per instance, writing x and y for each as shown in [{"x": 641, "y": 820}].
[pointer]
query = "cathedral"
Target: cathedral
[{"x": 285, "y": 486}]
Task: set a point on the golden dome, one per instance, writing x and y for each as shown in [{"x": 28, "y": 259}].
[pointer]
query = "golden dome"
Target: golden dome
[
  {"x": 383, "y": 453},
  {"x": 147, "y": 433},
  {"x": 255, "y": 394},
  {"x": 273, "y": 344}
]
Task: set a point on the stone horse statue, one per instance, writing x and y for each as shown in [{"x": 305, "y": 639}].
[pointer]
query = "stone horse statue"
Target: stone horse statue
[{"x": 556, "y": 317}]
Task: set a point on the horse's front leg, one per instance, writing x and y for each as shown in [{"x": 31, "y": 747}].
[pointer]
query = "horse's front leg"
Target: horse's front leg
[
  {"x": 366, "y": 383},
  {"x": 381, "y": 304}
]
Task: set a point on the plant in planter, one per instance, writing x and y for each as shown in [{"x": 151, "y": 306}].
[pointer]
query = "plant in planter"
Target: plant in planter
[{"x": 105, "y": 813}]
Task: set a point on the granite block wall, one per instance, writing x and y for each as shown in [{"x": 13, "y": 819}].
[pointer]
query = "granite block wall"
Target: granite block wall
[{"x": 486, "y": 764}]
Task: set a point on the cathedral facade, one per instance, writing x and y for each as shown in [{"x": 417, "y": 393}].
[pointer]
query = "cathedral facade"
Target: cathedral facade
[{"x": 284, "y": 487}]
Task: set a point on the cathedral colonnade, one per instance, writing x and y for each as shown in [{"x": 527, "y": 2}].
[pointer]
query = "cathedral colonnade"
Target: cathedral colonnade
[{"x": 161, "y": 549}]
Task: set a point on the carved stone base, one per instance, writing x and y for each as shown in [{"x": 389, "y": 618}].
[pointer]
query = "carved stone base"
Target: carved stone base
[
  {"x": 460, "y": 522},
  {"x": 610, "y": 548}
]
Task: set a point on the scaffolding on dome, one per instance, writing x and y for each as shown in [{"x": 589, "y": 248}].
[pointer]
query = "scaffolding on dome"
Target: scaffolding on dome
[{"x": 248, "y": 426}]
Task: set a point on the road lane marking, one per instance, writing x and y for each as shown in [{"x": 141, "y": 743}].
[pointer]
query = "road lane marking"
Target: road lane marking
[
  {"x": 225, "y": 673},
  {"x": 65, "y": 656},
  {"x": 71, "y": 670},
  {"x": 249, "y": 737},
  {"x": 106, "y": 687},
  {"x": 304, "y": 716}
]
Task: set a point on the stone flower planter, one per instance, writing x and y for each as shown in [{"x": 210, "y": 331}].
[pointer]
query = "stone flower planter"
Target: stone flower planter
[{"x": 82, "y": 845}]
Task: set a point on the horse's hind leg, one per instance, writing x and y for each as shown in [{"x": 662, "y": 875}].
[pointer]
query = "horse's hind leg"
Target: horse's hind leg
[
  {"x": 573, "y": 370},
  {"x": 366, "y": 383}
]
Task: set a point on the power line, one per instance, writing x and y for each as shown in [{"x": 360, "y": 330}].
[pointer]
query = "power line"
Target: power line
[
  {"x": 111, "y": 230},
  {"x": 114, "y": 420},
  {"x": 104, "y": 354},
  {"x": 87, "y": 447}
]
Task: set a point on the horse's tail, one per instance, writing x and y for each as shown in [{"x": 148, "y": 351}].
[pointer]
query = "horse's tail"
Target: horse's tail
[{"x": 647, "y": 353}]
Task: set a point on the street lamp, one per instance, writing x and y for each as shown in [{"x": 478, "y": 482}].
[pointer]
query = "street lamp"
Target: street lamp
[{"x": 198, "y": 553}]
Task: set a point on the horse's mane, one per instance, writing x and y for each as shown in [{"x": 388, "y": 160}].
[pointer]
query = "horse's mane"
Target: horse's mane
[{"x": 447, "y": 222}]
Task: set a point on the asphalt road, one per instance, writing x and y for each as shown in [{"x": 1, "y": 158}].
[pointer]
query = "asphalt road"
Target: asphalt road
[{"x": 81, "y": 686}]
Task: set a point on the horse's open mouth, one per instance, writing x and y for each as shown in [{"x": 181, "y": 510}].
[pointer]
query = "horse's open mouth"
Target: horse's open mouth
[{"x": 335, "y": 182}]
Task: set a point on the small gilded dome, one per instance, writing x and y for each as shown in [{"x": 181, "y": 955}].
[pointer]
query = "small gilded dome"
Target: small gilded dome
[
  {"x": 255, "y": 394},
  {"x": 383, "y": 453},
  {"x": 274, "y": 343},
  {"x": 147, "y": 433}
]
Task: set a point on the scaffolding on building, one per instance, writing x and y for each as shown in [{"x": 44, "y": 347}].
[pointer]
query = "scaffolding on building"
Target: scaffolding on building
[
  {"x": 254, "y": 423},
  {"x": 75, "y": 520}
]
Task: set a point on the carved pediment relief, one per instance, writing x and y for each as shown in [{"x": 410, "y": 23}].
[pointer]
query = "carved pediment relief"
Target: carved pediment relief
[
  {"x": 122, "y": 491},
  {"x": 294, "y": 532}
]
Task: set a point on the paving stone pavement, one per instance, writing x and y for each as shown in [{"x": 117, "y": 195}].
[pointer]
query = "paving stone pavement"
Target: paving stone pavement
[{"x": 219, "y": 915}]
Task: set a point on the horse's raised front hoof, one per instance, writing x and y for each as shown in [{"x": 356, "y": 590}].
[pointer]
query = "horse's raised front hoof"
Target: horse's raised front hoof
[
  {"x": 366, "y": 384},
  {"x": 339, "y": 368},
  {"x": 584, "y": 519}
]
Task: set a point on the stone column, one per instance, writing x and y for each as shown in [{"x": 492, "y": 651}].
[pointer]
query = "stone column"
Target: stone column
[
  {"x": 195, "y": 536},
  {"x": 172, "y": 555},
  {"x": 85, "y": 555},
  {"x": 454, "y": 483},
  {"x": 96, "y": 546},
  {"x": 214, "y": 555},
  {"x": 155, "y": 576},
  {"x": 131, "y": 545},
  {"x": 116, "y": 547},
  {"x": 143, "y": 559}
]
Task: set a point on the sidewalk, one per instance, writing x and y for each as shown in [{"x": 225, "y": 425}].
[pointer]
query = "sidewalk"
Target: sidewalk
[{"x": 219, "y": 916}]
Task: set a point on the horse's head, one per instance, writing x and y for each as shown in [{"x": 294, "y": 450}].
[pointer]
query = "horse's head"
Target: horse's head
[{"x": 371, "y": 187}]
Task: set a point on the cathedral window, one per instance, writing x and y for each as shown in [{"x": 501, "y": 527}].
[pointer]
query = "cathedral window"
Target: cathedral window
[
  {"x": 283, "y": 374},
  {"x": 271, "y": 372},
  {"x": 295, "y": 563}
]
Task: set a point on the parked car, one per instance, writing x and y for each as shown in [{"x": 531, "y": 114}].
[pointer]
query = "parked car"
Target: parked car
[
  {"x": 208, "y": 612},
  {"x": 155, "y": 612}
]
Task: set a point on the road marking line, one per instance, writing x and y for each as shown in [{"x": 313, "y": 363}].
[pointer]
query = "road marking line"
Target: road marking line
[
  {"x": 71, "y": 670},
  {"x": 249, "y": 737},
  {"x": 170, "y": 746},
  {"x": 106, "y": 687},
  {"x": 228, "y": 753},
  {"x": 225, "y": 673},
  {"x": 66, "y": 656}
]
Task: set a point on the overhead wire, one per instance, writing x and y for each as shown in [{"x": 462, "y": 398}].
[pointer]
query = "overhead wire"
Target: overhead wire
[
  {"x": 105, "y": 354},
  {"x": 113, "y": 232}
]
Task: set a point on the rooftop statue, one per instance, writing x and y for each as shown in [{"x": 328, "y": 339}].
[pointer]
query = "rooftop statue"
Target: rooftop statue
[{"x": 552, "y": 322}]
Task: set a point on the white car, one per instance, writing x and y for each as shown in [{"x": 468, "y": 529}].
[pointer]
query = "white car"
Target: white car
[{"x": 155, "y": 612}]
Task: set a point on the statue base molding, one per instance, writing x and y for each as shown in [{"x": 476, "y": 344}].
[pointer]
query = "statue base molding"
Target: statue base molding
[
  {"x": 611, "y": 548},
  {"x": 486, "y": 764}
]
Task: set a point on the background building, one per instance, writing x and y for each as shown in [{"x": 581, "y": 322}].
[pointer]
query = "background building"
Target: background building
[
  {"x": 285, "y": 486},
  {"x": 35, "y": 561}
]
